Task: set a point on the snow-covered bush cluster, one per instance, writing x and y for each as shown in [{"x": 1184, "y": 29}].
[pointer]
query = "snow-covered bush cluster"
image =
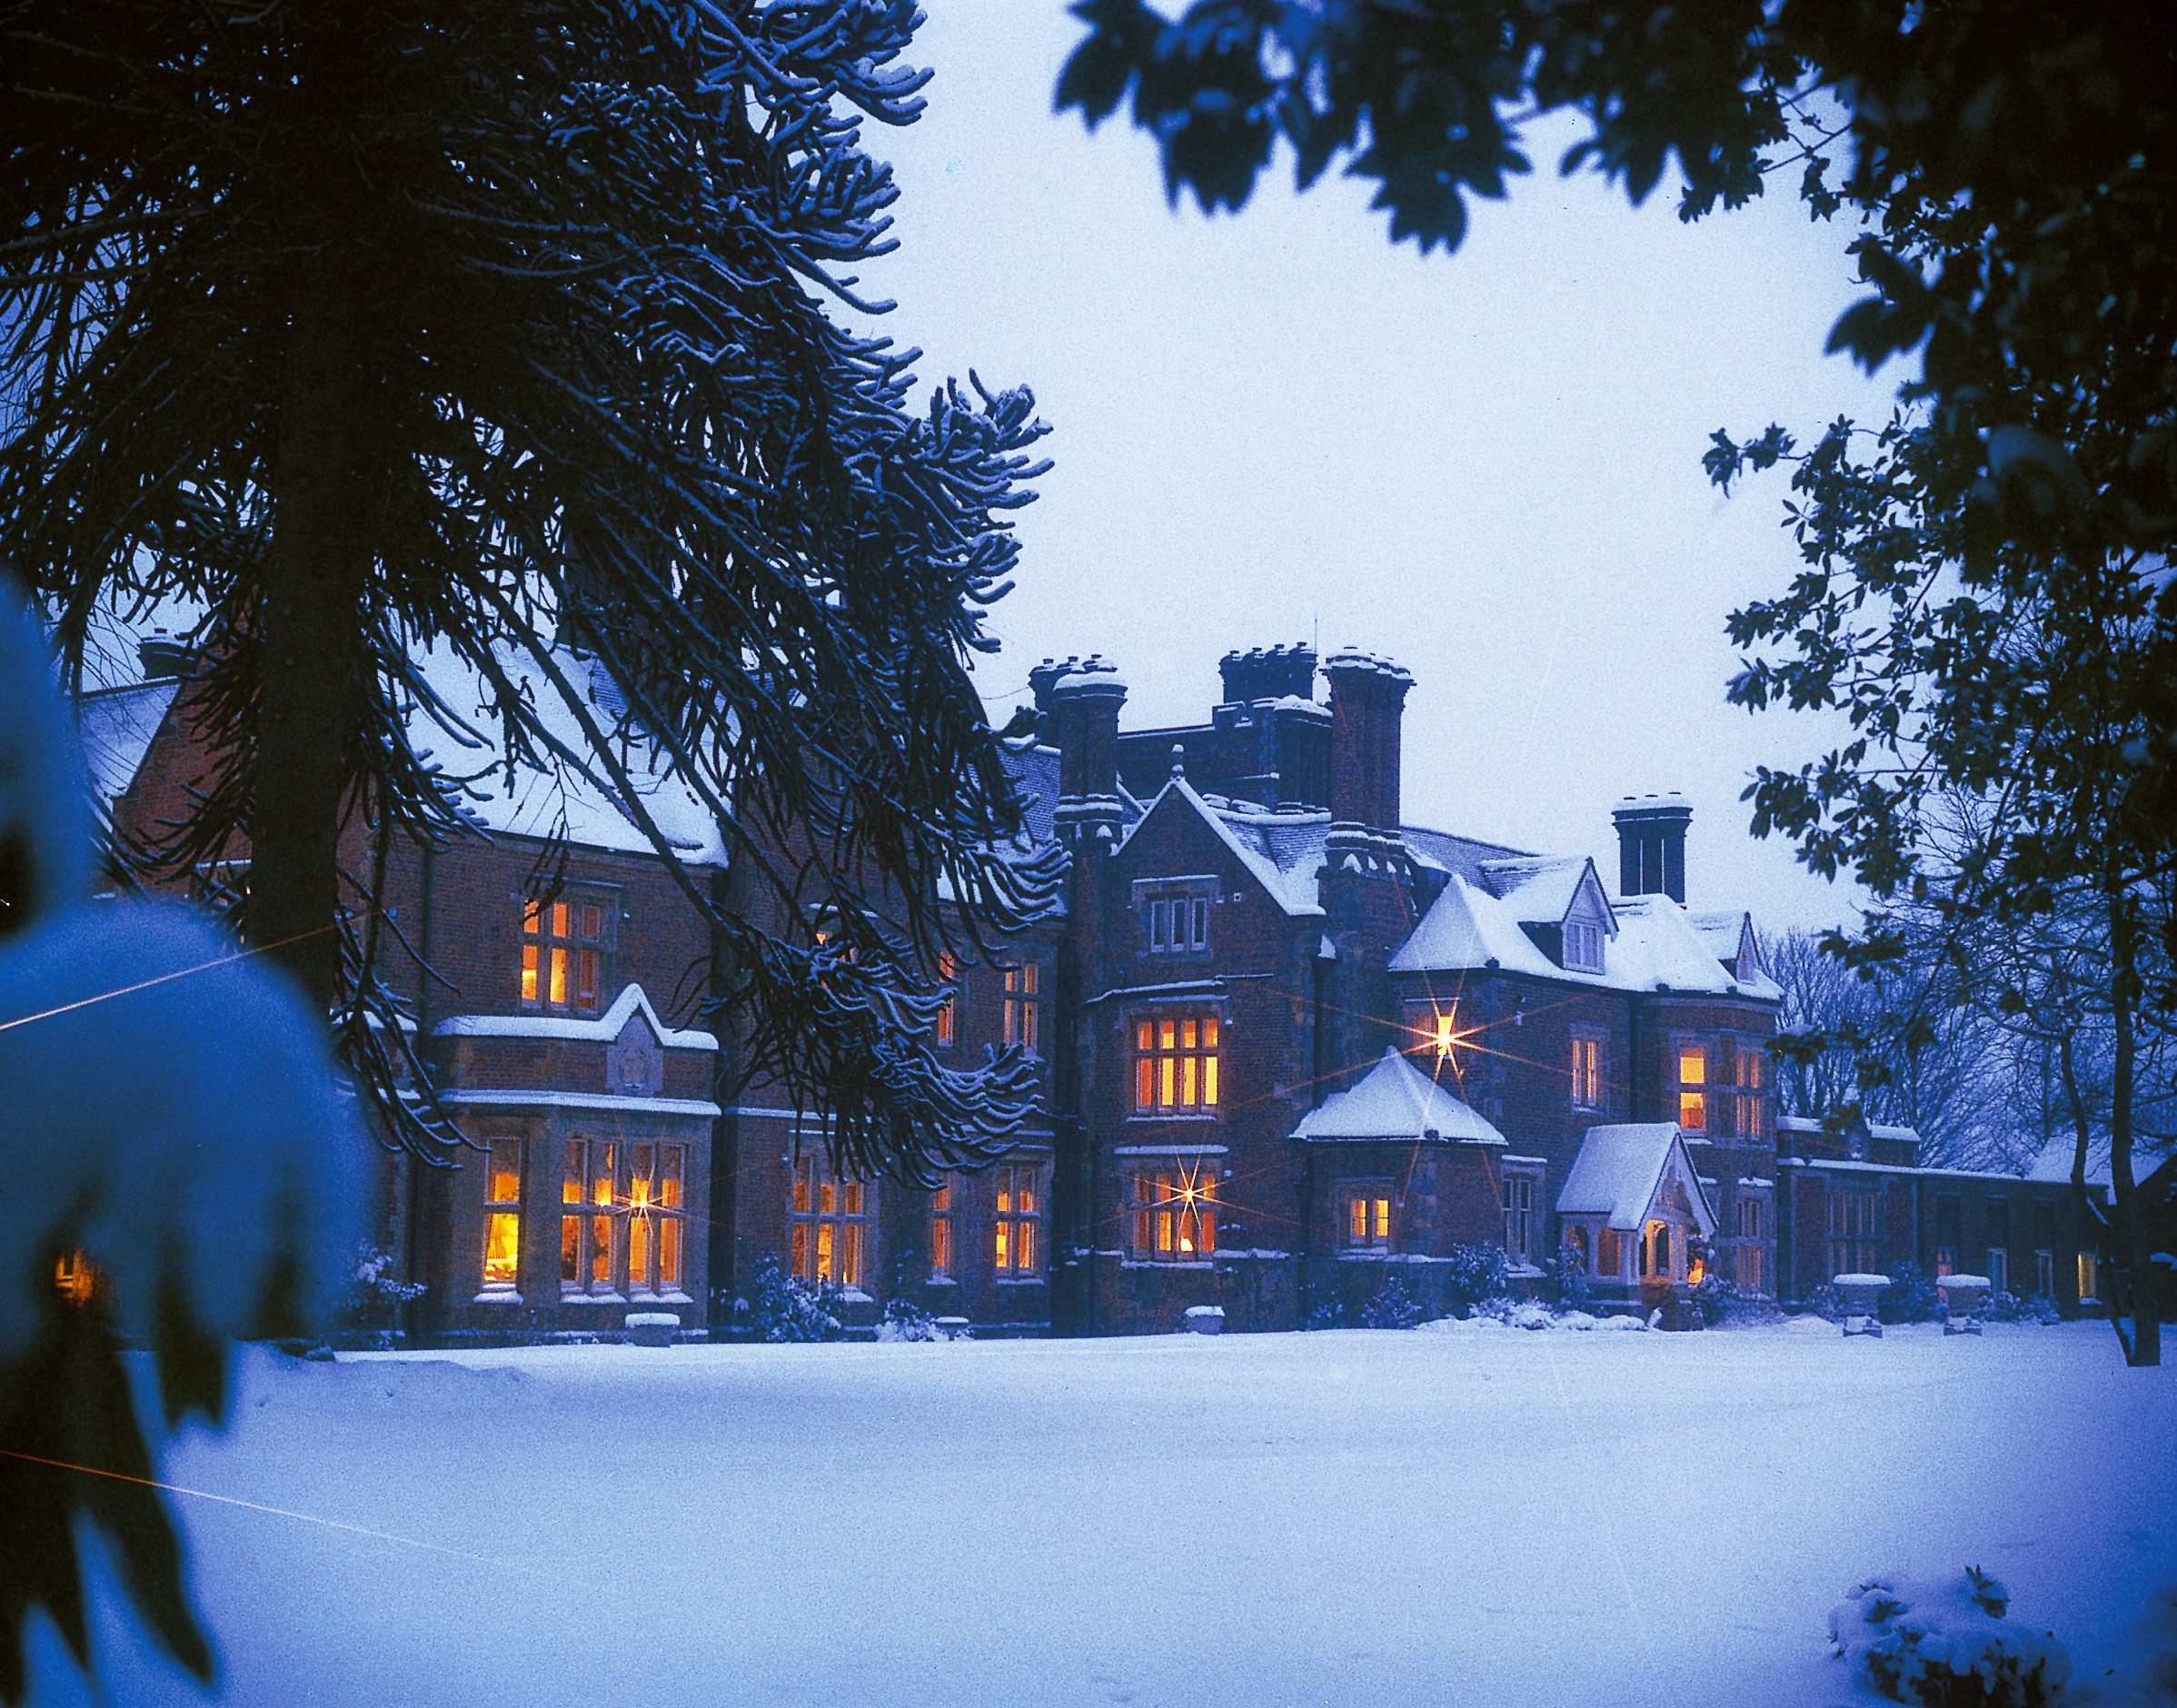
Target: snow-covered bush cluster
[
  {"x": 2008, "y": 1307},
  {"x": 784, "y": 1308},
  {"x": 1947, "y": 1644},
  {"x": 1530, "y": 1314},
  {"x": 364, "y": 1314},
  {"x": 1392, "y": 1307},
  {"x": 1912, "y": 1295},
  {"x": 904, "y": 1320},
  {"x": 1475, "y": 1273},
  {"x": 1714, "y": 1298},
  {"x": 1567, "y": 1271}
]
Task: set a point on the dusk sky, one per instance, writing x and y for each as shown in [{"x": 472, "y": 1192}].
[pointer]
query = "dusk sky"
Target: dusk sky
[{"x": 1277, "y": 427}]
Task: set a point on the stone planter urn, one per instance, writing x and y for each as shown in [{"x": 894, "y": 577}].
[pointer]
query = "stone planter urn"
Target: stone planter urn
[
  {"x": 652, "y": 1328},
  {"x": 954, "y": 1328},
  {"x": 1205, "y": 1319},
  {"x": 1962, "y": 1296},
  {"x": 1858, "y": 1294}
]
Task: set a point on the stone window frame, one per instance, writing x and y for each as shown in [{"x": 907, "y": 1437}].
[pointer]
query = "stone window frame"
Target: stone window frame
[
  {"x": 1016, "y": 1231},
  {"x": 1749, "y": 1098},
  {"x": 1022, "y": 984},
  {"x": 1523, "y": 1179},
  {"x": 555, "y": 925},
  {"x": 1591, "y": 1078},
  {"x": 1691, "y": 1095},
  {"x": 944, "y": 1228},
  {"x": 1179, "y": 1050},
  {"x": 1157, "y": 1233},
  {"x": 1749, "y": 1248},
  {"x": 1379, "y": 1206},
  {"x": 1187, "y": 901},
  {"x": 502, "y": 1230},
  {"x": 847, "y": 1213},
  {"x": 1848, "y": 1249},
  {"x": 633, "y": 1212}
]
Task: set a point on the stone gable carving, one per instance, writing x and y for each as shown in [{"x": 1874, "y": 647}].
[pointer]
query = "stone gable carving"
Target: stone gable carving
[{"x": 635, "y": 1061}]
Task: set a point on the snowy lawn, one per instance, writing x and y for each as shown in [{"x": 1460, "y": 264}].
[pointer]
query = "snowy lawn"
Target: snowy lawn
[{"x": 1485, "y": 1516}]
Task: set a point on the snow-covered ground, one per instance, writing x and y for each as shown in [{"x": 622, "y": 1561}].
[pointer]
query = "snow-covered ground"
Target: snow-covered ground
[{"x": 1485, "y": 1516}]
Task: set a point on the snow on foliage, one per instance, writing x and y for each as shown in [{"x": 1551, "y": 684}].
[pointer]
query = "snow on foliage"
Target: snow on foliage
[
  {"x": 173, "y": 1117},
  {"x": 1947, "y": 1644}
]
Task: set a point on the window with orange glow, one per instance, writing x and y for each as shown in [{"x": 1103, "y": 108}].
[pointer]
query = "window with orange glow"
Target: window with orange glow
[
  {"x": 1023, "y": 1007},
  {"x": 1016, "y": 1241},
  {"x": 1174, "y": 1215},
  {"x": 1368, "y": 1218},
  {"x": 562, "y": 954},
  {"x": 590, "y": 1216},
  {"x": 502, "y": 1215},
  {"x": 830, "y": 1226},
  {"x": 940, "y": 1229},
  {"x": 1750, "y": 1099},
  {"x": 1693, "y": 1089},
  {"x": 1176, "y": 1065},
  {"x": 75, "y": 1277},
  {"x": 656, "y": 1217},
  {"x": 945, "y": 1028},
  {"x": 1587, "y": 1070}
]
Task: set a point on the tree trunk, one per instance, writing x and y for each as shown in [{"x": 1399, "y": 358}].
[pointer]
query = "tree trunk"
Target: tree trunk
[
  {"x": 2128, "y": 1230},
  {"x": 309, "y": 633}
]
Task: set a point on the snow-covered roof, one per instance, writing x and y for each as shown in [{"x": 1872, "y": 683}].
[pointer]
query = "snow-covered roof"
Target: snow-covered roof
[
  {"x": 1281, "y": 850},
  {"x": 555, "y": 800},
  {"x": 1442, "y": 851},
  {"x": 605, "y": 1029},
  {"x": 1541, "y": 890},
  {"x": 1655, "y": 948},
  {"x": 1394, "y": 1099},
  {"x": 116, "y": 725},
  {"x": 1620, "y": 1170},
  {"x": 2055, "y": 1163},
  {"x": 1467, "y": 927}
]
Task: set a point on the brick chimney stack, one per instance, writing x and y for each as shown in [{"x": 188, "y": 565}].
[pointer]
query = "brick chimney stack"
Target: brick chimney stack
[
  {"x": 1367, "y": 703},
  {"x": 1651, "y": 844},
  {"x": 1083, "y": 699}
]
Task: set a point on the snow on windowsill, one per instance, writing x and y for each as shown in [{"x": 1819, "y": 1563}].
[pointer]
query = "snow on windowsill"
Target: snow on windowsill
[
  {"x": 593, "y": 1298},
  {"x": 497, "y": 1296},
  {"x": 1151, "y": 1263}
]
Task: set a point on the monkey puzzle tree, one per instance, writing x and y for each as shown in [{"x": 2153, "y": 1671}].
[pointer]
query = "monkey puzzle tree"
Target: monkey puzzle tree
[{"x": 366, "y": 328}]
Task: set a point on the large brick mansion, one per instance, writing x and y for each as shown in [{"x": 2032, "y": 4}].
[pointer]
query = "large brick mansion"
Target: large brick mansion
[{"x": 1291, "y": 1043}]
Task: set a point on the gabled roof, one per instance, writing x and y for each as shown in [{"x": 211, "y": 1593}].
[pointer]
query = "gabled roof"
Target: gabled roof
[
  {"x": 1281, "y": 850},
  {"x": 1621, "y": 1169},
  {"x": 1394, "y": 1099},
  {"x": 116, "y": 725},
  {"x": 605, "y": 1029},
  {"x": 1731, "y": 938},
  {"x": 1542, "y": 890},
  {"x": 2055, "y": 1163},
  {"x": 1443, "y": 852},
  {"x": 1468, "y": 928}
]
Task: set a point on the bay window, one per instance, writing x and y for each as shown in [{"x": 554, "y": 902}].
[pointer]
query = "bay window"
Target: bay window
[
  {"x": 1174, "y": 1215},
  {"x": 502, "y": 1215},
  {"x": 1016, "y": 1241},
  {"x": 830, "y": 1228}
]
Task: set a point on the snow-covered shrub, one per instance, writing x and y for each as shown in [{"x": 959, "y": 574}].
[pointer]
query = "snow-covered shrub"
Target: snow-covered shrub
[
  {"x": 1912, "y": 1295},
  {"x": 1567, "y": 1271},
  {"x": 1714, "y": 1298},
  {"x": 1392, "y": 1307},
  {"x": 1474, "y": 1273},
  {"x": 904, "y": 1320},
  {"x": 1327, "y": 1314},
  {"x": 1825, "y": 1304},
  {"x": 2008, "y": 1307},
  {"x": 1947, "y": 1644},
  {"x": 363, "y": 1312},
  {"x": 786, "y": 1309}
]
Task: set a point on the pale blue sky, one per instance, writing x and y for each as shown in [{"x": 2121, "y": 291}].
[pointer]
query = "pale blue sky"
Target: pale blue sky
[{"x": 1486, "y": 464}]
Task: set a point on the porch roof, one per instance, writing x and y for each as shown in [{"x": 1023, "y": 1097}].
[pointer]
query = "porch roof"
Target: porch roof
[
  {"x": 1622, "y": 1170},
  {"x": 1394, "y": 1099}
]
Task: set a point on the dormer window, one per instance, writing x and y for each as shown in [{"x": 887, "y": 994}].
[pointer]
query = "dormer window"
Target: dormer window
[{"x": 1583, "y": 946}]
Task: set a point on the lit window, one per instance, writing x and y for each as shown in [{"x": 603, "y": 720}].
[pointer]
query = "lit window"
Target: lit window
[
  {"x": 946, "y": 1028},
  {"x": 2089, "y": 1279},
  {"x": 1692, "y": 1089},
  {"x": 75, "y": 1277},
  {"x": 1656, "y": 1251},
  {"x": 1176, "y": 1064},
  {"x": 1021, "y": 1007},
  {"x": 656, "y": 1215},
  {"x": 1855, "y": 1231},
  {"x": 562, "y": 955},
  {"x": 830, "y": 1226},
  {"x": 502, "y": 1215},
  {"x": 1178, "y": 924},
  {"x": 589, "y": 1210},
  {"x": 1583, "y": 946},
  {"x": 1174, "y": 1215},
  {"x": 940, "y": 1230},
  {"x": 1586, "y": 1071},
  {"x": 1519, "y": 1216},
  {"x": 1750, "y": 1103},
  {"x": 1368, "y": 1218},
  {"x": 1017, "y": 1244}
]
